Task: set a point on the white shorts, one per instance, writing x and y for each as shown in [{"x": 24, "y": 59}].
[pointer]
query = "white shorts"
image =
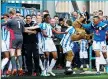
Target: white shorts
[
  {"x": 66, "y": 49},
  {"x": 5, "y": 45},
  {"x": 49, "y": 46},
  {"x": 99, "y": 46},
  {"x": 83, "y": 54}
]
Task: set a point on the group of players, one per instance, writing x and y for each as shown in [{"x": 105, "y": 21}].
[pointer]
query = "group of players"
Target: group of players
[{"x": 12, "y": 40}]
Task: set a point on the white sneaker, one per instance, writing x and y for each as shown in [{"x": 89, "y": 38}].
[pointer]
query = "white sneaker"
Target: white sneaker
[
  {"x": 42, "y": 74},
  {"x": 87, "y": 66},
  {"x": 70, "y": 69},
  {"x": 47, "y": 74},
  {"x": 81, "y": 66},
  {"x": 3, "y": 76},
  {"x": 53, "y": 74},
  {"x": 74, "y": 72}
]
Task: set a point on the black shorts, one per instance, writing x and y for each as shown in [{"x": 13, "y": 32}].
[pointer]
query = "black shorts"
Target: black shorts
[{"x": 17, "y": 42}]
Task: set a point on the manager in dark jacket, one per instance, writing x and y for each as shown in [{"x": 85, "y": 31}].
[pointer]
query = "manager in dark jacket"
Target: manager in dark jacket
[{"x": 30, "y": 46}]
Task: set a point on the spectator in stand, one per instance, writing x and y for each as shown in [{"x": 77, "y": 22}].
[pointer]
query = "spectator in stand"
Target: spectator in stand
[
  {"x": 95, "y": 13},
  {"x": 102, "y": 19},
  {"x": 45, "y": 12},
  {"x": 39, "y": 13},
  {"x": 75, "y": 16},
  {"x": 100, "y": 12},
  {"x": 34, "y": 18},
  {"x": 56, "y": 19},
  {"x": 62, "y": 24},
  {"x": 86, "y": 14}
]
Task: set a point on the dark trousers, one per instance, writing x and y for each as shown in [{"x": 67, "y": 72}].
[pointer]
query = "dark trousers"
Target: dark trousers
[
  {"x": 32, "y": 57},
  {"x": 60, "y": 60},
  {"x": 76, "y": 59}
]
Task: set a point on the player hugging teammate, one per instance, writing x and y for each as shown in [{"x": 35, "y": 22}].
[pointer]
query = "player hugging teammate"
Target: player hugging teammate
[{"x": 74, "y": 34}]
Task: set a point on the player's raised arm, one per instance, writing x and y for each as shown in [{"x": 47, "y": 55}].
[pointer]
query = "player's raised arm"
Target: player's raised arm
[{"x": 87, "y": 26}]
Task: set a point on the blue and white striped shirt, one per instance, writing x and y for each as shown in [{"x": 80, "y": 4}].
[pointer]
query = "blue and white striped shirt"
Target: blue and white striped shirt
[
  {"x": 83, "y": 45},
  {"x": 40, "y": 36},
  {"x": 4, "y": 33},
  {"x": 48, "y": 28},
  {"x": 66, "y": 40}
]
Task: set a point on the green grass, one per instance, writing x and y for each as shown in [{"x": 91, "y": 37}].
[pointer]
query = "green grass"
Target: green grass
[
  {"x": 87, "y": 77},
  {"x": 79, "y": 76}
]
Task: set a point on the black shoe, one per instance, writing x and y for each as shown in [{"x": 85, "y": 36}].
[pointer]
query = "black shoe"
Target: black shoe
[
  {"x": 28, "y": 73},
  {"x": 68, "y": 71}
]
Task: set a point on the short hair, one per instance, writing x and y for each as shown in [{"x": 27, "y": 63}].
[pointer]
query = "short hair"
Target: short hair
[
  {"x": 69, "y": 22},
  {"x": 100, "y": 11},
  {"x": 33, "y": 15},
  {"x": 61, "y": 19},
  {"x": 22, "y": 16},
  {"x": 46, "y": 11},
  {"x": 55, "y": 16},
  {"x": 17, "y": 11},
  {"x": 6, "y": 15},
  {"x": 38, "y": 15},
  {"x": 74, "y": 12},
  {"x": 96, "y": 17},
  {"x": 13, "y": 12},
  {"x": 46, "y": 15},
  {"x": 28, "y": 15}
]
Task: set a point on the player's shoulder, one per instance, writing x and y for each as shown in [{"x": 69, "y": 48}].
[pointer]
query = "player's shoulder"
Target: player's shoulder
[
  {"x": 43, "y": 24},
  {"x": 102, "y": 23},
  {"x": 40, "y": 24},
  {"x": 70, "y": 28},
  {"x": 10, "y": 20}
]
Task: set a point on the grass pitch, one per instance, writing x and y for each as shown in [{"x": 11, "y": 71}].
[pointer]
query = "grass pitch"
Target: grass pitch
[
  {"x": 73, "y": 76},
  {"x": 60, "y": 75}
]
